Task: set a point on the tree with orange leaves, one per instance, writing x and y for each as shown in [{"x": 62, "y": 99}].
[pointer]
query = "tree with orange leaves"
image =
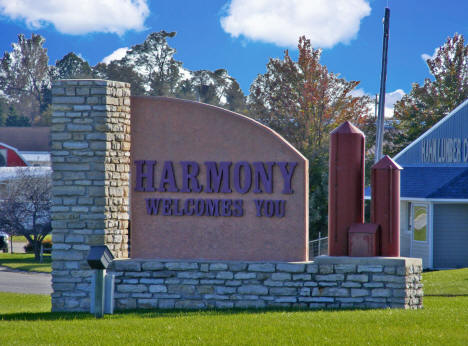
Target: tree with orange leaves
[
  {"x": 428, "y": 103},
  {"x": 304, "y": 102}
]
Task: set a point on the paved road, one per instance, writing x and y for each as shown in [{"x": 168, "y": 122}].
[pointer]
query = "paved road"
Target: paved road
[
  {"x": 18, "y": 247},
  {"x": 20, "y": 282}
]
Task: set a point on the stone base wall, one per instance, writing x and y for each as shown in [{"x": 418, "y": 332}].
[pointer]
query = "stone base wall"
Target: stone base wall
[{"x": 328, "y": 282}]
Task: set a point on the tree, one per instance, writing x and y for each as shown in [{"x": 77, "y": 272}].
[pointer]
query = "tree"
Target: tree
[
  {"x": 25, "y": 210},
  {"x": 205, "y": 87},
  {"x": 426, "y": 104},
  {"x": 186, "y": 90},
  {"x": 71, "y": 66},
  {"x": 153, "y": 60},
  {"x": 151, "y": 69},
  {"x": 25, "y": 74},
  {"x": 3, "y": 111},
  {"x": 216, "y": 88},
  {"x": 235, "y": 98},
  {"x": 13, "y": 119},
  {"x": 304, "y": 102},
  {"x": 122, "y": 73}
]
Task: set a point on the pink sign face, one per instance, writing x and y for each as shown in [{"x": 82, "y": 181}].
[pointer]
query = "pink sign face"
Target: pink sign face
[{"x": 211, "y": 184}]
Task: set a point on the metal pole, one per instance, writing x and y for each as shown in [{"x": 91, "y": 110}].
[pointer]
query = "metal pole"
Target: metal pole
[
  {"x": 383, "y": 79},
  {"x": 99, "y": 293},
  {"x": 320, "y": 236}
]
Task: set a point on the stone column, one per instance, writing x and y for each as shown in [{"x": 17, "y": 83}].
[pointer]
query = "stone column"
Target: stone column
[{"x": 91, "y": 162}]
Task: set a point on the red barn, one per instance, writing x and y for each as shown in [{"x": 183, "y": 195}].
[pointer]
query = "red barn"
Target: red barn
[
  {"x": 10, "y": 157},
  {"x": 24, "y": 146}
]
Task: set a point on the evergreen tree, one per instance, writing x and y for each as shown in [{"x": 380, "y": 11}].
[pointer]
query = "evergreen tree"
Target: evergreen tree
[
  {"x": 150, "y": 68},
  {"x": 426, "y": 104},
  {"x": 13, "y": 119},
  {"x": 3, "y": 112},
  {"x": 155, "y": 63},
  {"x": 122, "y": 73},
  {"x": 25, "y": 74},
  {"x": 71, "y": 66},
  {"x": 204, "y": 87},
  {"x": 235, "y": 99},
  {"x": 186, "y": 90}
]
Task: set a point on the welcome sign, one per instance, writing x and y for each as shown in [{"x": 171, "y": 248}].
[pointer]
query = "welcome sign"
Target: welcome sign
[
  {"x": 211, "y": 184},
  {"x": 217, "y": 181}
]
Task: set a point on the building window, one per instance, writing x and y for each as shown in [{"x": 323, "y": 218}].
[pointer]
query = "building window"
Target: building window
[
  {"x": 409, "y": 205},
  {"x": 420, "y": 223}
]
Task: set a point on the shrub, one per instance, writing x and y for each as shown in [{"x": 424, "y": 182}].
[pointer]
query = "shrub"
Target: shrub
[{"x": 47, "y": 246}]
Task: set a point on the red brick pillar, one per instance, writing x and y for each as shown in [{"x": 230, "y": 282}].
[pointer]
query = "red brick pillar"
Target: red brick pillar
[
  {"x": 386, "y": 204},
  {"x": 345, "y": 186}
]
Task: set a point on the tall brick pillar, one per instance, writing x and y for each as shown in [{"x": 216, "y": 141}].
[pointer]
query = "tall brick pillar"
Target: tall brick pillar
[{"x": 91, "y": 162}]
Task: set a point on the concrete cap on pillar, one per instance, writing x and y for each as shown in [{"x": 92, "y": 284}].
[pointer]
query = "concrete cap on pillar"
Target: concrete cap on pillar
[
  {"x": 345, "y": 128},
  {"x": 385, "y": 163}
]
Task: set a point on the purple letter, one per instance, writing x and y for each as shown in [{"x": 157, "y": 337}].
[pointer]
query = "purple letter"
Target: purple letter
[
  {"x": 140, "y": 175},
  {"x": 188, "y": 210},
  {"x": 167, "y": 177},
  {"x": 216, "y": 179},
  {"x": 247, "y": 177},
  {"x": 258, "y": 206},
  {"x": 238, "y": 209},
  {"x": 265, "y": 176},
  {"x": 190, "y": 170},
  {"x": 226, "y": 207},
  {"x": 177, "y": 210},
  {"x": 270, "y": 208},
  {"x": 287, "y": 174},
  {"x": 212, "y": 207},
  {"x": 280, "y": 207},
  {"x": 167, "y": 207},
  {"x": 200, "y": 207},
  {"x": 152, "y": 206}
]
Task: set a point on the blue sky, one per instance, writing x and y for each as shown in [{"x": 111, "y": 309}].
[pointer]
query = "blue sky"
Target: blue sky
[{"x": 241, "y": 35}]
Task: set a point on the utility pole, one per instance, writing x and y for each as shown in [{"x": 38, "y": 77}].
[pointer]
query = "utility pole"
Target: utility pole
[{"x": 383, "y": 79}]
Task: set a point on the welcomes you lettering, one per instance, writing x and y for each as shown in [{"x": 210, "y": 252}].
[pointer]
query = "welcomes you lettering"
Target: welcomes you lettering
[{"x": 213, "y": 178}]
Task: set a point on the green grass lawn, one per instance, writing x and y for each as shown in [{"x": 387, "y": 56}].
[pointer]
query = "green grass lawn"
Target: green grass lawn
[
  {"x": 446, "y": 283},
  {"x": 20, "y": 238},
  {"x": 25, "y": 261},
  {"x": 443, "y": 321}
]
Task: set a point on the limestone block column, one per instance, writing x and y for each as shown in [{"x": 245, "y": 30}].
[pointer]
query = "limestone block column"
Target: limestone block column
[{"x": 90, "y": 137}]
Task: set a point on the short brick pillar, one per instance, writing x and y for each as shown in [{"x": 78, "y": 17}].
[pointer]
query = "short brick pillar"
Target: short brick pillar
[{"x": 90, "y": 137}]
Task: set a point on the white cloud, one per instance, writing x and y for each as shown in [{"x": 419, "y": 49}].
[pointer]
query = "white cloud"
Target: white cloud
[
  {"x": 390, "y": 99},
  {"x": 115, "y": 55},
  {"x": 79, "y": 17},
  {"x": 358, "y": 92},
  {"x": 393, "y": 97},
  {"x": 425, "y": 56},
  {"x": 324, "y": 22}
]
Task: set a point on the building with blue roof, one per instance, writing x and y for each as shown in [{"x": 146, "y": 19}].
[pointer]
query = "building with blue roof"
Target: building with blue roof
[{"x": 434, "y": 193}]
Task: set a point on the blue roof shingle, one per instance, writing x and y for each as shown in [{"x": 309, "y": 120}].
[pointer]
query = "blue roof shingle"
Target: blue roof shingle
[{"x": 432, "y": 182}]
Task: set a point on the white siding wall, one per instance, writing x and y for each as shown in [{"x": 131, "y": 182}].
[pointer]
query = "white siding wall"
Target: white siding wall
[
  {"x": 421, "y": 250},
  {"x": 405, "y": 234}
]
